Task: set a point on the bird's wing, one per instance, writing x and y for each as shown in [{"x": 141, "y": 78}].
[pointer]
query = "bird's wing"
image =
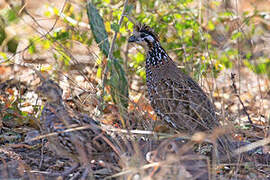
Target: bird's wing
[{"x": 180, "y": 101}]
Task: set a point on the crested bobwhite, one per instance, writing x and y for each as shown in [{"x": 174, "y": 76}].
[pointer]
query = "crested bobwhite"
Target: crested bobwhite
[
  {"x": 80, "y": 145},
  {"x": 175, "y": 97}
]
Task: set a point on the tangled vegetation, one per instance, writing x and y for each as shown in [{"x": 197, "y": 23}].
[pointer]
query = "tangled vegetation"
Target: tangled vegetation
[{"x": 82, "y": 46}]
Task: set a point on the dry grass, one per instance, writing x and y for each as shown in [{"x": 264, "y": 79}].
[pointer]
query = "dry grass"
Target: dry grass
[{"x": 147, "y": 148}]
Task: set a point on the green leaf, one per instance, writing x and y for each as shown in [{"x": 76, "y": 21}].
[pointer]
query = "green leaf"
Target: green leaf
[
  {"x": 64, "y": 57},
  {"x": 118, "y": 83},
  {"x": 3, "y": 56},
  {"x": 98, "y": 28},
  {"x": 2, "y": 35},
  {"x": 12, "y": 15},
  {"x": 24, "y": 113},
  {"x": 115, "y": 27},
  {"x": 12, "y": 45},
  {"x": 129, "y": 9},
  {"x": 46, "y": 44},
  {"x": 99, "y": 72},
  {"x": 56, "y": 11},
  {"x": 211, "y": 25},
  {"x": 236, "y": 35},
  {"x": 117, "y": 80},
  {"x": 61, "y": 35},
  {"x": 32, "y": 47},
  {"x": 47, "y": 13}
]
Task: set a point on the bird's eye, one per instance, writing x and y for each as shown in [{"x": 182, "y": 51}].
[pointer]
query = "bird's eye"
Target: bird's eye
[{"x": 143, "y": 35}]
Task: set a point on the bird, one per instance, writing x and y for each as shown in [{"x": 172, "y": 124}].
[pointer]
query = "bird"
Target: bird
[
  {"x": 175, "y": 97},
  {"x": 80, "y": 145}
]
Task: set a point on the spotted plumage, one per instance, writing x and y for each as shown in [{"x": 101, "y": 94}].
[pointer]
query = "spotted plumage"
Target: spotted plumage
[
  {"x": 80, "y": 145},
  {"x": 175, "y": 97}
]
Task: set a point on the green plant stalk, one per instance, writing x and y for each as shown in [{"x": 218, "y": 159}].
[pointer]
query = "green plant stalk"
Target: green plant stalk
[{"x": 117, "y": 81}]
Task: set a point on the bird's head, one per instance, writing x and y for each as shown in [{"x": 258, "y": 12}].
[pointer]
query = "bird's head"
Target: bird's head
[
  {"x": 144, "y": 36},
  {"x": 51, "y": 91}
]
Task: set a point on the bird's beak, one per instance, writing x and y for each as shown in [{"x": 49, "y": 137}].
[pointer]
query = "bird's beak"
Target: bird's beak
[{"x": 132, "y": 38}]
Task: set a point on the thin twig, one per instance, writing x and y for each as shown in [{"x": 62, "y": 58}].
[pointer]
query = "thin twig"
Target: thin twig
[
  {"x": 252, "y": 146},
  {"x": 23, "y": 9},
  {"x": 41, "y": 154},
  {"x": 64, "y": 49},
  {"x": 115, "y": 33},
  {"x": 239, "y": 98},
  {"x": 131, "y": 19},
  {"x": 71, "y": 128},
  {"x": 112, "y": 48}
]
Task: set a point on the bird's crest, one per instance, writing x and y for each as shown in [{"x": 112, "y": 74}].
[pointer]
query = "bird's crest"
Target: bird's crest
[{"x": 146, "y": 29}]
